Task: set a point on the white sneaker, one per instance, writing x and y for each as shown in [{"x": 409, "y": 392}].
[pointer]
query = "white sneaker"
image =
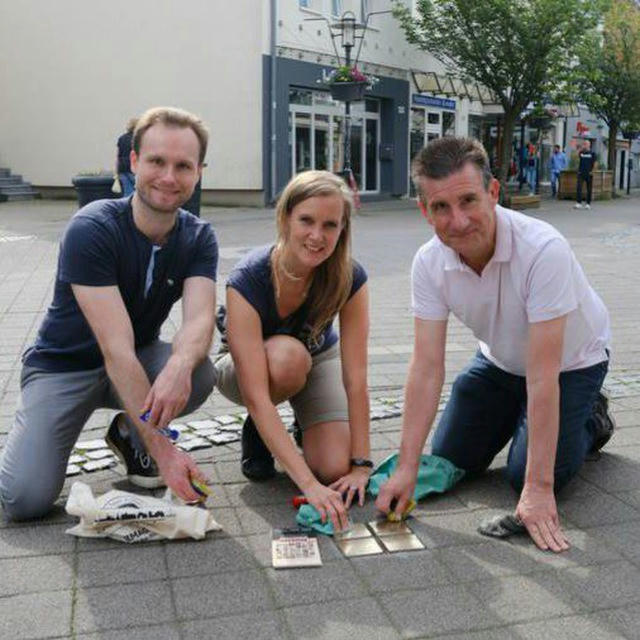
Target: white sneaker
[
  {"x": 577, "y": 205},
  {"x": 587, "y": 206}
]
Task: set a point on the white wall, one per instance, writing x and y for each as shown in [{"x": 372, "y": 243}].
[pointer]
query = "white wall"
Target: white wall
[{"x": 73, "y": 71}]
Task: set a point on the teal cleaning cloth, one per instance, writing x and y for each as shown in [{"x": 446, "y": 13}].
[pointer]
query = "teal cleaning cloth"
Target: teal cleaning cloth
[
  {"x": 435, "y": 475},
  {"x": 308, "y": 516}
]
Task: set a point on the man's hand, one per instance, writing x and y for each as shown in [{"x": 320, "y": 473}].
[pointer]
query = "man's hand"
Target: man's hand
[
  {"x": 329, "y": 504},
  {"x": 169, "y": 393},
  {"x": 399, "y": 488},
  {"x": 538, "y": 512},
  {"x": 176, "y": 468},
  {"x": 353, "y": 484}
]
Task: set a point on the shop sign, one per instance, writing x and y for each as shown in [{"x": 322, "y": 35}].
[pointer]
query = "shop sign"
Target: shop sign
[{"x": 431, "y": 101}]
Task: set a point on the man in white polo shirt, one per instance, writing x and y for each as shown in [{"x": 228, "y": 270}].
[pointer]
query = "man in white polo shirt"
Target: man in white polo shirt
[{"x": 543, "y": 333}]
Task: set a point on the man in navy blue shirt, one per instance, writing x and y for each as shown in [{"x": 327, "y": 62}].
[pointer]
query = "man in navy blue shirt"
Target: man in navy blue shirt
[
  {"x": 586, "y": 162},
  {"x": 122, "y": 265}
]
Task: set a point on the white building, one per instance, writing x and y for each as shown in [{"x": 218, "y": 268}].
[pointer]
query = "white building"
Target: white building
[{"x": 74, "y": 72}]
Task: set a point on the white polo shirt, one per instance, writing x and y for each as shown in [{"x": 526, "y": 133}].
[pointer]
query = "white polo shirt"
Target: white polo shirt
[{"x": 533, "y": 276}]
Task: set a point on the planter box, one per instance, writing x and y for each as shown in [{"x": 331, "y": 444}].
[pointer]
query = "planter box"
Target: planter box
[
  {"x": 90, "y": 188},
  {"x": 568, "y": 185},
  {"x": 348, "y": 91}
]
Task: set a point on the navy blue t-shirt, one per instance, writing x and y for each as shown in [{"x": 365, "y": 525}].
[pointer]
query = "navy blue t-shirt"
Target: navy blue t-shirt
[
  {"x": 251, "y": 277},
  {"x": 587, "y": 160},
  {"x": 102, "y": 247}
]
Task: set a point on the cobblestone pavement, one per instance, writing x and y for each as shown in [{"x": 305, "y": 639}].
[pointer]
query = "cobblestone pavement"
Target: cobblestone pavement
[{"x": 460, "y": 586}]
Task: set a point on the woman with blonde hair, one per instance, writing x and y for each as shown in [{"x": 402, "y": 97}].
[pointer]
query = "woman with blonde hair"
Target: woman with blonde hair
[{"x": 281, "y": 303}]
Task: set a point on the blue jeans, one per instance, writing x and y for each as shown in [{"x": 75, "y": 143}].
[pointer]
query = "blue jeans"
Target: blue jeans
[
  {"x": 531, "y": 178},
  {"x": 555, "y": 176},
  {"x": 488, "y": 407},
  {"x": 127, "y": 182}
]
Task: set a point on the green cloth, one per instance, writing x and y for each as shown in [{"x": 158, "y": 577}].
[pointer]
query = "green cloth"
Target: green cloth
[
  {"x": 308, "y": 516},
  {"x": 435, "y": 475}
]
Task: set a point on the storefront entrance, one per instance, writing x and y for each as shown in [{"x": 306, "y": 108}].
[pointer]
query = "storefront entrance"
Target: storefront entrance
[{"x": 316, "y": 136}]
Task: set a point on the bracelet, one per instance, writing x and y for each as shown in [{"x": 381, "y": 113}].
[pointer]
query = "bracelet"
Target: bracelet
[{"x": 361, "y": 462}]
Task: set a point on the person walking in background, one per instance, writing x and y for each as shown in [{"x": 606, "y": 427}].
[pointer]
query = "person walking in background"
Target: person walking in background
[
  {"x": 531, "y": 162},
  {"x": 587, "y": 160},
  {"x": 123, "y": 163},
  {"x": 558, "y": 164}
]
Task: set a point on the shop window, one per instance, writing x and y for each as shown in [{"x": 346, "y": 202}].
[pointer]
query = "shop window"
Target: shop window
[
  {"x": 300, "y": 96},
  {"x": 433, "y": 117},
  {"x": 448, "y": 123},
  {"x": 371, "y": 106},
  {"x": 336, "y": 7}
]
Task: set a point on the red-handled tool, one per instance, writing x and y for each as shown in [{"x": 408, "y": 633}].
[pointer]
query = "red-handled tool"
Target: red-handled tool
[{"x": 298, "y": 501}]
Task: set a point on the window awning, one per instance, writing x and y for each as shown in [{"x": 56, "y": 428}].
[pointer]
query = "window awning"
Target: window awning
[{"x": 448, "y": 85}]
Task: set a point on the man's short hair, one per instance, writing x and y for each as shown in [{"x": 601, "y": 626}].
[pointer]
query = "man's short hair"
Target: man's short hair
[
  {"x": 171, "y": 117},
  {"x": 556, "y": 146},
  {"x": 444, "y": 156}
]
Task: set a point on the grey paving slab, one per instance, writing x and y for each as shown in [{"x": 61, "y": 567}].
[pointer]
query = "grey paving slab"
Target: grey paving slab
[
  {"x": 121, "y": 565},
  {"x": 603, "y": 586},
  {"x": 524, "y": 598},
  {"x": 586, "y": 627},
  {"x": 435, "y": 610},
  {"x": 224, "y": 593},
  {"x": 265, "y": 625},
  {"x": 337, "y": 581},
  {"x": 209, "y": 557},
  {"x": 122, "y": 605},
  {"x": 340, "y": 620},
  {"x": 391, "y": 572},
  {"x": 35, "y": 540},
  {"x": 36, "y": 615},
  {"x": 153, "y": 632},
  {"x": 32, "y": 574},
  {"x": 626, "y": 620}
]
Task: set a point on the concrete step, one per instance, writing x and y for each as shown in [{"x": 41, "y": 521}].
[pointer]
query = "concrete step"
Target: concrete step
[
  {"x": 4, "y": 171},
  {"x": 9, "y": 180},
  {"x": 25, "y": 195},
  {"x": 16, "y": 187}
]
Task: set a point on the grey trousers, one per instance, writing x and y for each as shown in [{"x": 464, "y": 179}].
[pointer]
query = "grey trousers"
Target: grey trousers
[{"x": 51, "y": 413}]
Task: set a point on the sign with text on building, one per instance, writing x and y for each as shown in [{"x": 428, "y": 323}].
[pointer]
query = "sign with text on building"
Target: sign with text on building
[{"x": 432, "y": 101}]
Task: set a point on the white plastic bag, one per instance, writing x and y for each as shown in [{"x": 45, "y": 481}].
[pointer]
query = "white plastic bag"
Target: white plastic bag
[{"x": 130, "y": 517}]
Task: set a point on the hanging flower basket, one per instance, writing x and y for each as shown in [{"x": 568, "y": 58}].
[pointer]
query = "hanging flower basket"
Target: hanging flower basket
[{"x": 348, "y": 91}]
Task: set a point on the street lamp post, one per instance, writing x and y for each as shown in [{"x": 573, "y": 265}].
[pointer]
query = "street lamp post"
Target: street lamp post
[
  {"x": 347, "y": 27},
  {"x": 630, "y": 135}
]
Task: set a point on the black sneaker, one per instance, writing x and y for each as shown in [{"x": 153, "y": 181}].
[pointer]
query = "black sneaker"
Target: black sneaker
[
  {"x": 297, "y": 432},
  {"x": 257, "y": 462},
  {"x": 141, "y": 469},
  {"x": 604, "y": 422}
]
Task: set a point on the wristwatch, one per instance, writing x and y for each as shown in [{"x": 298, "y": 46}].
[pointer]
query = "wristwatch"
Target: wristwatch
[{"x": 361, "y": 462}]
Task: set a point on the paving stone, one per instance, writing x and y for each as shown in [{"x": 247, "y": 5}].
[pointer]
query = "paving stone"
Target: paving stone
[
  {"x": 525, "y": 598},
  {"x": 163, "y": 632},
  {"x": 122, "y": 605},
  {"x": 224, "y": 593},
  {"x": 277, "y": 492},
  {"x": 265, "y": 625},
  {"x": 587, "y": 627},
  {"x": 436, "y": 610},
  {"x": 602, "y": 586},
  {"x": 49, "y": 614},
  {"x": 449, "y": 529},
  {"x": 599, "y": 509},
  {"x": 32, "y": 574},
  {"x": 42, "y": 539},
  {"x": 121, "y": 565},
  {"x": 501, "y": 633},
  {"x": 411, "y": 569},
  {"x": 266, "y": 517},
  {"x": 340, "y": 620},
  {"x": 336, "y": 581},
  {"x": 493, "y": 558},
  {"x": 620, "y": 537},
  {"x": 626, "y": 620},
  {"x": 489, "y": 491},
  {"x": 210, "y": 556}
]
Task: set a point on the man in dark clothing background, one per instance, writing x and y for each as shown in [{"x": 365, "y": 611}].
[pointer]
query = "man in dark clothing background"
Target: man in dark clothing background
[
  {"x": 123, "y": 163},
  {"x": 587, "y": 160}
]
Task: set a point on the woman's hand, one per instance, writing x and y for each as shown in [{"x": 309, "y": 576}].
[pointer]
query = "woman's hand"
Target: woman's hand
[
  {"x": 354, "y": 483},
  {"x": 329, "y": 504}
]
